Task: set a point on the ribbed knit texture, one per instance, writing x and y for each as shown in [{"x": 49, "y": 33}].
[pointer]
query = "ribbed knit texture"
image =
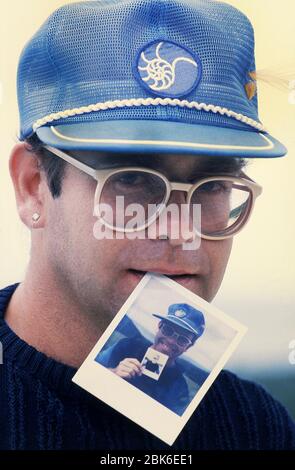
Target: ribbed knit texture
[{"x": 41, "y": 408}]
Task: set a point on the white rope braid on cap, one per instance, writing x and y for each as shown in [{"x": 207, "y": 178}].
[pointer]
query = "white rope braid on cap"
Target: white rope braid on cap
[{"x": 147, "y": 102}]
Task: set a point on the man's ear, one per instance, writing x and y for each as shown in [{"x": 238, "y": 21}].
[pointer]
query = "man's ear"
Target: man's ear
[{"x": 29, "y": 185}]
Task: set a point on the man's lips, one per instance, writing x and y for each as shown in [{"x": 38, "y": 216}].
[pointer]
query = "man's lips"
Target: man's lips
[
  {"x": 167, "y": 272},
  {"x": 166, "y": 348},
  {"x": 186, "y": 279},
  {"x": 176, "y": 275}
]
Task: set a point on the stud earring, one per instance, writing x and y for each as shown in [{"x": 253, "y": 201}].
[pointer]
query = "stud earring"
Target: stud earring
[{"x": 36, "y": 217}]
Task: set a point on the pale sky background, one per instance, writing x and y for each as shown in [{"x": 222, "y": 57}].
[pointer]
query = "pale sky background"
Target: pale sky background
[{"x": 258, "y": 288}]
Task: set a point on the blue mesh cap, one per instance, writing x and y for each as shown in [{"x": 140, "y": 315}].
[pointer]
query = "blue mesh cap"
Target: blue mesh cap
[
  {"x": 186, "y": 316},
  {"x": 165, "y": 76}
]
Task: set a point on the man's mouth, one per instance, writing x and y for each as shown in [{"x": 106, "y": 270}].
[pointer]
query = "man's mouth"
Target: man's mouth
[
  {"x": 165, "y": 348},
  {"x": 137, "y": 273},
  {"x": 183, "y": 278}
]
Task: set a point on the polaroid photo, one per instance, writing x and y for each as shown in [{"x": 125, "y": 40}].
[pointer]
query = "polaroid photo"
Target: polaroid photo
[
  {"x": 160, "y": 355},
  {"x": 153, "y": 363}
]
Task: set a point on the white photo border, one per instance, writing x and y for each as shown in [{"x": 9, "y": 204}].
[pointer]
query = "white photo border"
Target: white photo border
[{"x": 132, "y": 402}]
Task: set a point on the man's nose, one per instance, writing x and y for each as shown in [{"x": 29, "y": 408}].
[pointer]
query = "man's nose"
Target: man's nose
[
  {"x": 172, "y": 340},
  {"x": 177, "y": 197},
  {"x": 176, "y": 222}
]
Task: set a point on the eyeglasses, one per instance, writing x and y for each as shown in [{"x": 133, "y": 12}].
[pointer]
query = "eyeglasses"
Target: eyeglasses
[
  {"x": 181, "y": 340},
  {"x": 225, "y": 202}
]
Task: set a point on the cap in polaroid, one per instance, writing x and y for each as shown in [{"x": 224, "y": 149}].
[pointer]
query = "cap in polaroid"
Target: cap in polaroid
[
  {"x": 160, "y": 355},
  {"x": 182, "y": 80}
]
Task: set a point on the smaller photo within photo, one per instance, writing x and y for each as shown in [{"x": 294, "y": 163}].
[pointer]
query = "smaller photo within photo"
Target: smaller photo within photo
[
  {"x": 153, "y": 363},
  {"x": 160, "y": 355}
]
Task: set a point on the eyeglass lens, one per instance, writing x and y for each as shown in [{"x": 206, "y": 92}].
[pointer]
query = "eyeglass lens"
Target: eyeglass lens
[
  {"x": 133, "y": 187},
  {"x": 222, "y": 202},
  {"x": 169, "y": 332}
]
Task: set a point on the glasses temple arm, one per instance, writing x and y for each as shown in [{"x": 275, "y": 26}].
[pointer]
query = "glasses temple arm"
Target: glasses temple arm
[{"x": 73, "y": 161}]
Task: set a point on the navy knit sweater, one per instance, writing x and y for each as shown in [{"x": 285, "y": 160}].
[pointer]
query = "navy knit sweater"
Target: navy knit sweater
[{"x": 41, "y": 408}]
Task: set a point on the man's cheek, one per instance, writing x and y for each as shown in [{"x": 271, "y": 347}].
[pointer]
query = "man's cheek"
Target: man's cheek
[{"x": 218, "y": 254}]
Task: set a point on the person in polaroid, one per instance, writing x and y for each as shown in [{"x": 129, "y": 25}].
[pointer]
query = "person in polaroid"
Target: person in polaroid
[
  {"x": 157, "y": 109},
  {"x": 152, "y": 364},
  {"x": 177, "y": 332}
]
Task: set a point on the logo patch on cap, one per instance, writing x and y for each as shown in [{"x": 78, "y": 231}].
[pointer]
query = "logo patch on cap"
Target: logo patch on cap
[
  {"x": 167, "y": 69},
  {"x": 179, "y": 313}
]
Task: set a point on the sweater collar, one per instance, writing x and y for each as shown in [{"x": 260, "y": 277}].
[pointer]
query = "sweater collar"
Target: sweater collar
[{"x": 56, "y": 375}]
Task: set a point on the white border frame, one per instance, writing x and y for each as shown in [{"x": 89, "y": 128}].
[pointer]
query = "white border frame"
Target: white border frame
[{"x": 139, "y": 407}]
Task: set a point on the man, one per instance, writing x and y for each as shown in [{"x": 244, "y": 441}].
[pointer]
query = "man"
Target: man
[
  {"x": 177, "y": 332},
  {"x": 159, "y": 85}
]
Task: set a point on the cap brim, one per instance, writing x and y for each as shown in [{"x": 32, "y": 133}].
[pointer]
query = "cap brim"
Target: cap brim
[
  {"x": 177, "y": 322},
  {"x": 142, "y": 136}
]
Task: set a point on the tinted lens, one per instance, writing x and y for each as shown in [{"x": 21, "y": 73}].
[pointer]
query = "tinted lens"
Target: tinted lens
[
  {"x": 134, "y": 196},
  {"x": 223, "y": 205},
  {"x": 183, "y": 341},
  {"x": 169, "y": 332}
]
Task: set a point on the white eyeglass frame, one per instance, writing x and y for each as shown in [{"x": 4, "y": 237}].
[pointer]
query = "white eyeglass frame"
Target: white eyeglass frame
[
  {"x": 101, "y": 176},
  {"x": 175, "y": 334}
]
